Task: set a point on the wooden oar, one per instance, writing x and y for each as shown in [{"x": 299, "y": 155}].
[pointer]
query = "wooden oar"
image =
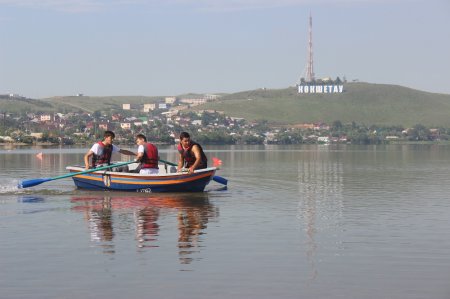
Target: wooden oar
[
  {"x": 215, "y": 178},
  {"x": 34, "y": 182}
]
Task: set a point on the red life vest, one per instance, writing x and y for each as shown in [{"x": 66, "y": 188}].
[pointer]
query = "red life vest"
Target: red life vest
[
  {"x": 150, "y": 157},
  {"x": 105, "y": 157},
  {"x": 189, "y": 157}
]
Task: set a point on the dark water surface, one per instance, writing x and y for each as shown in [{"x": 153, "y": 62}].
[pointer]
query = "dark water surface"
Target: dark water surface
[{"x": 295, "y": 222}]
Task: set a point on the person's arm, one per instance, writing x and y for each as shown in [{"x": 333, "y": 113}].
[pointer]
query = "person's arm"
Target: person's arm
[
  {"x": 86, "y": 159},
  {"x": 139, "y": 157},
  {"x": 140, "y": 153},
  {"x": 180, "y": 163},
  {"x": 198, "y": 158}
]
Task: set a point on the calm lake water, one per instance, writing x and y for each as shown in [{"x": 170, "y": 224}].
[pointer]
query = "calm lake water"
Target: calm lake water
[{"x": 295, "y": 222}]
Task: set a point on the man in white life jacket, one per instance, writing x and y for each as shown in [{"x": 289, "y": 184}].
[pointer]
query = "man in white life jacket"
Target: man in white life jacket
[
  {"x": 147, "y": 155},
  {"x": 191, "y": 154},
  {"x": 102, "y": 151}
]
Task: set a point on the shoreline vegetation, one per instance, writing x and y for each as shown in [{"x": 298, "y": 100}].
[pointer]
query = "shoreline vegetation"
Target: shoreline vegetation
[{"x": 387, "y": 142}]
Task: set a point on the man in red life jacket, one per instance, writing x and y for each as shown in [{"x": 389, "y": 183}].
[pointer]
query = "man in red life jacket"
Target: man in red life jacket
[
  {"x": 191, "y": 154},
  {"x": 102, "y": 151},
  {"x": 147, "y": 155}
]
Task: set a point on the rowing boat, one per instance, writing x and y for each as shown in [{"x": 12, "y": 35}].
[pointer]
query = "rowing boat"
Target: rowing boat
[{"x": 167, "y": 180}]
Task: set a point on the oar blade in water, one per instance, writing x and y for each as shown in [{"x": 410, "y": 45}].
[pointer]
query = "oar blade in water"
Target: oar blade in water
[
  {"x": 220, "y": 180},
  {"x": 34, "y": 182}
]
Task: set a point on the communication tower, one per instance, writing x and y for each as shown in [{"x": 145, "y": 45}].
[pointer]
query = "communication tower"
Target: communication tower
[{"x": 309, "y": 76}]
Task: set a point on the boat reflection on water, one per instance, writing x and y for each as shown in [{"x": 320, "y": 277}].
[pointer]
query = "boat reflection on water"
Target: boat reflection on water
[{"x": 111, "y": 215}]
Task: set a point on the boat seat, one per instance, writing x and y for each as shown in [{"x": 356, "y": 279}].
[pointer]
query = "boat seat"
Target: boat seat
[{"x": 163, "y": 168}]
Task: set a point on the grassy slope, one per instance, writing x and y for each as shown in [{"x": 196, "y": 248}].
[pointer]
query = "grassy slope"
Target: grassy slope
[
  {"x": 27, "y": 105},
  {"x": 71, "y": 103},
  {"x": 91, "y": 104}
]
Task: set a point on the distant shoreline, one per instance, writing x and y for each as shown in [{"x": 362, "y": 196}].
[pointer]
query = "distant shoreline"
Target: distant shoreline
[{"x": 391, "y": 142}]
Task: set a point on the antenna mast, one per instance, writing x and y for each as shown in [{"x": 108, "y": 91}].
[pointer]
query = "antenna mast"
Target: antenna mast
[{"x": 310, "y": 62}]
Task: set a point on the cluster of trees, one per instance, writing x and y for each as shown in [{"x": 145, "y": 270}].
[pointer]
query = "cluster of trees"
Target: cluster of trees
[
  {"x": 337, "y": 81},
  {"x": 361, "y": 134}
]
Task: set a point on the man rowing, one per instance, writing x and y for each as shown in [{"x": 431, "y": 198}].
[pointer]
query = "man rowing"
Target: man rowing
[
  {"x": 102, "y": 151},
  {"x": 191, "y": 154},
  {"x": 147, "y": 156}
]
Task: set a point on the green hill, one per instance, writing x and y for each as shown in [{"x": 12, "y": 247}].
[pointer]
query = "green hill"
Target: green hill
[
  {"x": 70, "y": 103},
  {"x": 366, "y": 103},
  {"x": 18, "y": 105},
  {"x": 91, "y": 104}
]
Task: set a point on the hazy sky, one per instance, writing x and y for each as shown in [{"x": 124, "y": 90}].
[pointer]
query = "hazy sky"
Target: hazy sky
[{"x": 151, "y": 47}]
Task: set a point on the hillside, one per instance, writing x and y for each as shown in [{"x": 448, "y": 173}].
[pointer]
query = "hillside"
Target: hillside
[
  {"x": 91, "y": 104},
  {"x": 18, "y": 105},
  {"x": 366, "y": 103}
]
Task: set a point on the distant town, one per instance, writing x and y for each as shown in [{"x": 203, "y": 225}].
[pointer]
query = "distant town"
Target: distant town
[{"x": 163, "y": 120}]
